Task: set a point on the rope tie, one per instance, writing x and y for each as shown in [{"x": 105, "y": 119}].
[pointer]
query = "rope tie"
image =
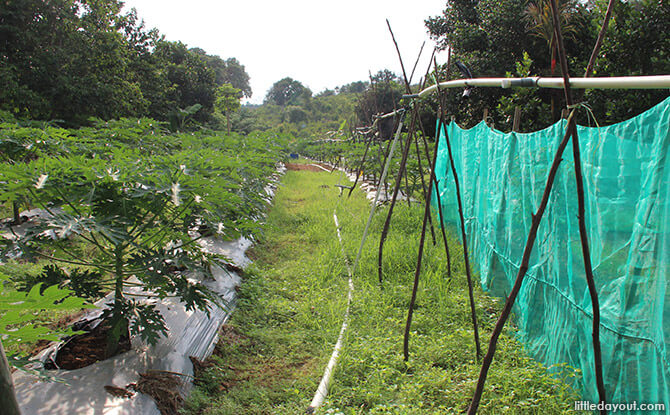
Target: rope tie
[{"x": 590, "y": 116}]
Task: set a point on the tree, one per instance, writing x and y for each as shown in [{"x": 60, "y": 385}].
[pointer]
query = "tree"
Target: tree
[
  {"x": 76, "y": 59},
  {"x": 541, "y": 24},
  {"x": 227, "y": 101},
  {"x": 66, "y": 59},
  {"x": 228, "y": 71},
  {"x": 490, "y": 37},
  {"x": 288, "y": 91},
  {"x": 352, "y": 88},
  {"x": 191, "y": 81},
  {"x": 236, "y": 75},
  {"x": 636, "y": 44},
  {"x": 382, "y": 96}
]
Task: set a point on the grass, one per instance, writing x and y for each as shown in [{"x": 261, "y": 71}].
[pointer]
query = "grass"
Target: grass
[{"x": 272, "y": 353}]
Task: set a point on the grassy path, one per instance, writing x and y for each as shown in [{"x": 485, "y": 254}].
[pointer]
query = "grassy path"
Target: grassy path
[{"x": 273, "y": 351}]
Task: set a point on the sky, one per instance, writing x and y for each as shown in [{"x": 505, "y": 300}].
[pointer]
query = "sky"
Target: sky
[{"x": 322, "y": 44}]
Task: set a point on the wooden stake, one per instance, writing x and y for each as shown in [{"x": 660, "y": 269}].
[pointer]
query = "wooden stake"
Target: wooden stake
[
  {"x": 583, "y": 233},
  {"x": 360, "y": 168},
  {"x": 571, "y": 130},
  {"x": 523, "y": 268},
  {"x": 396, "y": 188},
  {"x": 464, "y": 239},
  {"x": 417, "y": 271},
  {"x": 517, "y": 119},
  {"x": 8, "y": 401}
]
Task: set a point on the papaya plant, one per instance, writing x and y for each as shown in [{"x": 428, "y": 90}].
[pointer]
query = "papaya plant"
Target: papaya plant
[
  {"x": 123, "y": 205},
  {"x": 134, "y": 225}
]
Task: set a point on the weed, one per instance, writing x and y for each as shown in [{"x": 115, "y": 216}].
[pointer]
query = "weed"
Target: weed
[{"x": 290, "y": 310}]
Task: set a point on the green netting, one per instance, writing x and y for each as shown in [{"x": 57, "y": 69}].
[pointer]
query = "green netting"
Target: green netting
[{"x": 627, "y": 178}]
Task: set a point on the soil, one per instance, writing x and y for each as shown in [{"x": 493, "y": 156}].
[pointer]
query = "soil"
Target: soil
[
  {"x": 164, "y": 389},
  {"x": 85, "y": 349},
  {"x": 308, "y": 167}
]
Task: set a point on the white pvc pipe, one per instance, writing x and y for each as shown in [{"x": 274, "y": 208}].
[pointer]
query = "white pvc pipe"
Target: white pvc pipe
[
  {"x": 614, "y": 82},
  {"x": 322, "y": 390}
]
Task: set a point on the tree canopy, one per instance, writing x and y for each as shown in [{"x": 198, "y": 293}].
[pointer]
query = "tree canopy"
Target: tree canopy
[
  {"x": 76, "y": 59},
  {"x": 510, "y": 37},
  {"x": 288, "y": 91}
]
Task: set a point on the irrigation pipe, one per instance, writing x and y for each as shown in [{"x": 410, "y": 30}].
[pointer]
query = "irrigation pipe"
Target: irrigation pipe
[
  {"x": 321, "y": 167},
  {"x": 613, "y": 82},
  {"x": 322, "y": 390}
]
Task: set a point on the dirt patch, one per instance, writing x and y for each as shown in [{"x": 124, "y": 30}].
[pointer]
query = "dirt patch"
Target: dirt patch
[
  {"x": 307, "y": 167},
  {"x": 85, "y": 349},
  {"x": 164, "y": 388},
  {"x": 118, "y": 392},
  {"x": 231, "y": 336},
  {"x": 250, "y": 367}
]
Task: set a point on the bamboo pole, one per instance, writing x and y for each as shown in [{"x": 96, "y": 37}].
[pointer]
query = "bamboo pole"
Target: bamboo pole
[
  {"x": 583, "y": 234},
  {"x": 464, "y": 239},
  {"x": 517, "y": 119},
  {"x": 417, "y": 271},
  {"x": 408, "y": 89}
]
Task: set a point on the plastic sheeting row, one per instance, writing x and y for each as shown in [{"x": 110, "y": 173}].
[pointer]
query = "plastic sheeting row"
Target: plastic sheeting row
[{"x": 627, "y": 178}]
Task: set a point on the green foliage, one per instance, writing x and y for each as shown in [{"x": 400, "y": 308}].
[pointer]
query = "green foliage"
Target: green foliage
[
  {"x": 227, "y": 99},
  {"x": 181, "y": 116},
  {"x": 18, "y": 309},
  {"x": 228, "y": 71},
  {"x": 636, "y": 44},
  {"x": 382, "y": 96},
  {"x": 128, "y": 202},
  {"x": 533, "y": 110},
  {"x": 288, "y": 91},
  {"x": 68, "y": 60},
  {"x": 74, "y": 59},
  {"x": 317, "y": 116},
  {"x": 83, "y": 283},
  {"x": 490, "y": 36}
]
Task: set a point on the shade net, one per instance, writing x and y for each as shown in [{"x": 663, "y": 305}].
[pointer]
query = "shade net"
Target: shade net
[{"x": 626, "y": 178}]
